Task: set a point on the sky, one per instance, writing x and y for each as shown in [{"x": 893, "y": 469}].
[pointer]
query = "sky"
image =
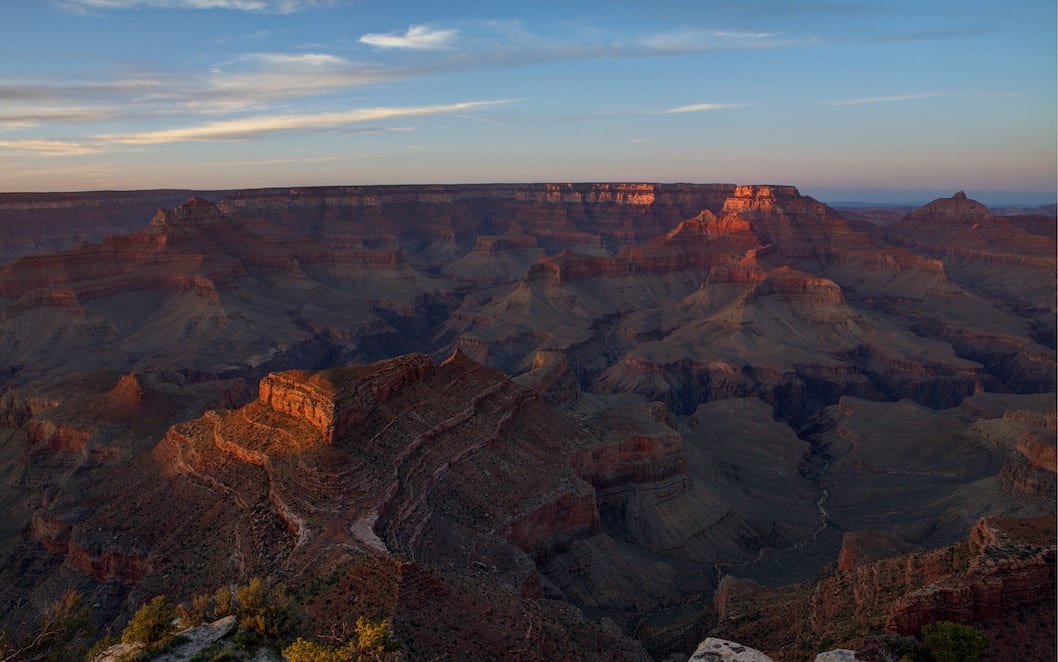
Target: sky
[{"x": 886, "y": 100}]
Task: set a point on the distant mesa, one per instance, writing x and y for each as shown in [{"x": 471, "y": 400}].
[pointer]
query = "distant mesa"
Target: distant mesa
[
  {"x": 194, "y": 211},
  {"x": 60, "y": 221},
  {"x": 957, "y": 209}
]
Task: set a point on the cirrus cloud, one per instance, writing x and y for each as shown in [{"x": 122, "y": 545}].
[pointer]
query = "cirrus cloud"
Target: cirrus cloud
[
  {"x": 37, "y": 116},
  {"x": 257, "y": 6},
  {"x": 898, "y": 97},
  {"x": 416, "y": 37},
  {"x": 49, "y": 147},
  {"x": 263, "y": 125},
  {"x": 259, "y": 78},
  {"x": 696, "y": 40},
  {"x": 699, "y": 108}
]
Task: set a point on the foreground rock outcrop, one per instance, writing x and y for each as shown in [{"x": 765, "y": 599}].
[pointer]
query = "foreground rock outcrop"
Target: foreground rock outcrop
[
  {"x": 420, "y": 487},
  {"x": 195, "y": 641},
  {"x": 719, "y": 650},
  {"x": 1004, "y": 572}
]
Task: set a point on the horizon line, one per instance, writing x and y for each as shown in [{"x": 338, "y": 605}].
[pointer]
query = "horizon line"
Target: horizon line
[{"x": 847, "y": 195}]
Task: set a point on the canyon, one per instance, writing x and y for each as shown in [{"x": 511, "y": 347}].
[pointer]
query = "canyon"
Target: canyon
[{"x": 620, "y": 418}]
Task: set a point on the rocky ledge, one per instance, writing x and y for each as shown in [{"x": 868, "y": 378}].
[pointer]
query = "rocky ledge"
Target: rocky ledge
[
  {"x": 1005, "y": 570},
  {"x": 333, "y": 400}
]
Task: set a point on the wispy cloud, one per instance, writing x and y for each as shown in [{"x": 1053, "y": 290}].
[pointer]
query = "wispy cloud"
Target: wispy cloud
[
  {"x": 263, "y": 125},
  {"x": 476, "y": 44},
  {"x": 250, "y": 82},
  {"x": 257, "y": 81},
  {"x": 509, "y": 42},
  {"x": 743, "y": 35},
  {"x": 49, "y": 147},
  {"x": 300, "y": 60},
  {"x": 257, "y": 6},
  {"x": 257, "y": 78},
  {"x": 257, "y": 93},
  {"x": 691, "y": 40},
  {"x": 13, "y": 91},
  {"x": 295, "y": 160},
  {"x": 416, "y": 37},
  {"x": 957, "y": 32},
  {"x": 483, "y": 120},
  {"x": 888, "y": 99},
  {"x": 699, "y": 108},
  {"x": 36, "y": 117}
]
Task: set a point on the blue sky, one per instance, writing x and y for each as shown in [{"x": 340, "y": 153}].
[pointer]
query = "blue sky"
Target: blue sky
[{"x": 838, "y": 97}]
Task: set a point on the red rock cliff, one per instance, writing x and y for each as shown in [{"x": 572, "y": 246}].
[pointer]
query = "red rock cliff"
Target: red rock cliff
[{"x": 333, "y": 400}]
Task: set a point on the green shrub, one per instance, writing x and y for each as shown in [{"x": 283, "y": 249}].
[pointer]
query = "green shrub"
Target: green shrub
[
  {"x": 98, "y": 647},
  {"x": 194, "y": 614},
  {"x": 309, "y": 651},
  {"x": 222, "y": 604},
  {"x": 152, "y": 623},
  {"x": 893, "y": 647},
  {"x": 264, "y": 614},
  {"x": 59, "y": 635},
  {"x": 952, "y": 642},
  {"x": 373, "y": 638}
]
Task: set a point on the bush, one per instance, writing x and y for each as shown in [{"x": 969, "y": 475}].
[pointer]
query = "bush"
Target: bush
[
  {"x": 890, "y": 647},
  {"x": 952, "y": 642},
  {"x": 264, "y": 614},
  {"x": 374, "y": 638},
  {"x": 58, "y": 636},
  {"x": 196, "y": 613},
  {"x": 308, "y": 651},
  {"x": 222, "y": 604},
  {"x": 98, "y": 647},
  {"x": 153, "y": 623}
]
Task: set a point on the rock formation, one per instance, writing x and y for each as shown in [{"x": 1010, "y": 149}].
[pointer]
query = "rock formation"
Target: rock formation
[
  {"x": 1006, "y": 568},
  {"x": 61, "y": 221},
  {"x": 719, "y": 650},
  {"x": 194, "y": 641},
  {"x": 451, "y": 466},
  {"x": 608, "y": 413}
]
